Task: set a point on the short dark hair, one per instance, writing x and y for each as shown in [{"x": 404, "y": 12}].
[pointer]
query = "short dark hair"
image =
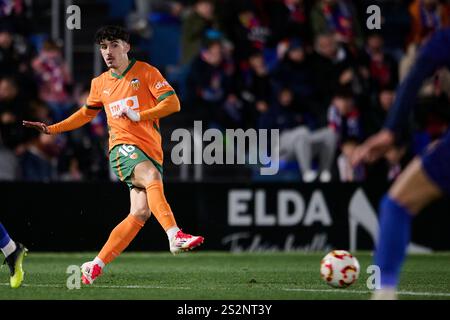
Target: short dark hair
[{"x": 111, "y": 33}]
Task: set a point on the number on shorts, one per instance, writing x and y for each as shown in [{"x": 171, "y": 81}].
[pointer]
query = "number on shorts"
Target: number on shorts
[{"x": 125, "y": 149}]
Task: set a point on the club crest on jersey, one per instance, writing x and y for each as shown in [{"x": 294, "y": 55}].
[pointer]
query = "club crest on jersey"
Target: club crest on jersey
[
  {"x": 135, "y": 83},
  {"x": 134, "y": 156}
]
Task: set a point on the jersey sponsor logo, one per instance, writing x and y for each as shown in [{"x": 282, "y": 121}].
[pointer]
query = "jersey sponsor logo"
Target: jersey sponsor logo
[
  {"x": 116, "y": 107},
  {"x": 161, "y": 84},
  {"x": 107, "y": 91},
  {"x": 135, "y": 83}
]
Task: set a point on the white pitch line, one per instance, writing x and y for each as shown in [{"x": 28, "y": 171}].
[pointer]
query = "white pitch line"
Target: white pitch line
[
  {"x": 406, "y": 293},
  {"x": 99, "y": 286}
]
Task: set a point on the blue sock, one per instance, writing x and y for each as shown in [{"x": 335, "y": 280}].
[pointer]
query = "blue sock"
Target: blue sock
[
  {"x": 4, "y": 237},
  {"x": 394, "y": 236}
]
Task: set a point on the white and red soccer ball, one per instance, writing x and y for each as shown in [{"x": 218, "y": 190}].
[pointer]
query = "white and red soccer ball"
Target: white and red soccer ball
[{"x": 339, "y": 269}]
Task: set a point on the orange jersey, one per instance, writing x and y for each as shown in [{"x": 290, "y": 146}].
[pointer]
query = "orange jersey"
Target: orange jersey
[{"x": 140, "y": 87}]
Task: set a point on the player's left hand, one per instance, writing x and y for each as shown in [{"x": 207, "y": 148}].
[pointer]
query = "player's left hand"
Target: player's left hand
[{"x": 40, "y": 126}]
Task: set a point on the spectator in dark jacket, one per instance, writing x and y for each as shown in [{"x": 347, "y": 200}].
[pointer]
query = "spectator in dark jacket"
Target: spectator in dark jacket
[
  {"x": 195, "y": 24},
  {"x": 381, "y": 68},
  {"x": 294, "y": 71},
  {"x": 255, "y": 89},
  {"x": 338, "y": 17},
  {"x": 12, "y": 109},
  {"x": 210, "y": 94},
  {"x": 332, "y": 67}
]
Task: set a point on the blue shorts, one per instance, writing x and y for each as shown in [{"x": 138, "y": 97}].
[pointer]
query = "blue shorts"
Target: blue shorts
[{"x": 436, "y": 163}]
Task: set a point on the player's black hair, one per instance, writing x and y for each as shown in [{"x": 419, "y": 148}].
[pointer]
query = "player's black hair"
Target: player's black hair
[{"x": 111, "y": 33}]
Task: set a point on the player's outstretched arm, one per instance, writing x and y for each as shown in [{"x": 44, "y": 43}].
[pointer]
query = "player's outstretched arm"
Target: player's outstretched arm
[
  {"x": 374, "y": 147},
  {"x": 76, "y": 120}
]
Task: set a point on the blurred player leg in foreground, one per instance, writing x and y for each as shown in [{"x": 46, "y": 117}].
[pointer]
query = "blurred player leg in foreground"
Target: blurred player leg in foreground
[
  {"x": 411, "y": 192},
  {"x": 423, "y": 181},
  {"x": 14, "y": 253}
]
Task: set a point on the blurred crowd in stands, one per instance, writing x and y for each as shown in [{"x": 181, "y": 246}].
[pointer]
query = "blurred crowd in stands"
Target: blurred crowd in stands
[{"x": 309, "y": 68}]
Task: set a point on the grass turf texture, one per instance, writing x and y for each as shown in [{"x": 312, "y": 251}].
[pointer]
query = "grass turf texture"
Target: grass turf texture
[{"x": 217, "y": 276}]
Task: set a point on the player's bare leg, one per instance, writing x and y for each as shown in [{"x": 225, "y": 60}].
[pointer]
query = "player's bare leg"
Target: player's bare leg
[
  {"x": 139, "y": 205},
  {"x": 139, "y": 214},
  {"x": 411, "y": 192},
  {"x": 146, "y": 175},
  {"x": 413, "y": 189}
]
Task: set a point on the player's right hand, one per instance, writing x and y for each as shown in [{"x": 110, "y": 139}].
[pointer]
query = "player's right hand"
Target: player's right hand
[
  {"x": 373, "y": 148},
  {"x": 40, "y": 126}
]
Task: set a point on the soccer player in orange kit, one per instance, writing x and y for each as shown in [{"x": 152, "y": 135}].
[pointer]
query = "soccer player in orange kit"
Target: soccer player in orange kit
[{"x": 134, "y": 96}]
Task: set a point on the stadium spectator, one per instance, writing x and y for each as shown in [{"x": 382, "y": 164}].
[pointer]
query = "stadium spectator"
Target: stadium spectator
[
  {"x": 15, "y": 55},
  {"x": 137, "y": 22},
  {"x": 54, "y": 79},
  {"x": 12, "y": 109},
  {"x": 194, "y": 27},
  {"x": 73, "y": 173},
  {"x": 295, "y": 72},
  {"x": 9, "y": 165},
  {"x": 209, "y": 88},
  {"x": 347, "y": 172},
  {"x": 395, "y": 24},
  {"x": 334, "y": 61},
  {"x": 239, "y": 89},
  {"x": 10, "y": 58},
  {"x": 39, "y": 160},
  {"x": 382, "y": 69},
  {"x": 344, "y": 117},
  {"x": 18, "y": 14},
  {"x": 339, "y": 18},
  {"x": 375, "y": 116},
  {"x": 256, "y": 89},
  {"x": 248, "y": 33},
  {"x": 10, "y": 8},
  {"x": 86, "y": 149},
  {"x": 344, "y": 120},
  {"x": 289, "y": 19},
  {"x": 390, "y": 166},
  {"x": 297, "y": 141}
]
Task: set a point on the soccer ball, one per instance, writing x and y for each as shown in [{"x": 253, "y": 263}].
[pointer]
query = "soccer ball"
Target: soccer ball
[{"x": 339, "y": 269}]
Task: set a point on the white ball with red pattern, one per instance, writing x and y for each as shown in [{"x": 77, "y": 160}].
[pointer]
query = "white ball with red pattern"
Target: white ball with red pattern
[{"x": 339, "y": 269}]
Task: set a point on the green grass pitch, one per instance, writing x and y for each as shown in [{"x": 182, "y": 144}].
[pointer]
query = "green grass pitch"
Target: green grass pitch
[{"x": 217, "y": 276}]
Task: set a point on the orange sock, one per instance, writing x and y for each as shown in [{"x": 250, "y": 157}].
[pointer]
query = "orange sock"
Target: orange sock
[
  {"x": 120, "y": 238},
  {"x": 159, "y": 206}
]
